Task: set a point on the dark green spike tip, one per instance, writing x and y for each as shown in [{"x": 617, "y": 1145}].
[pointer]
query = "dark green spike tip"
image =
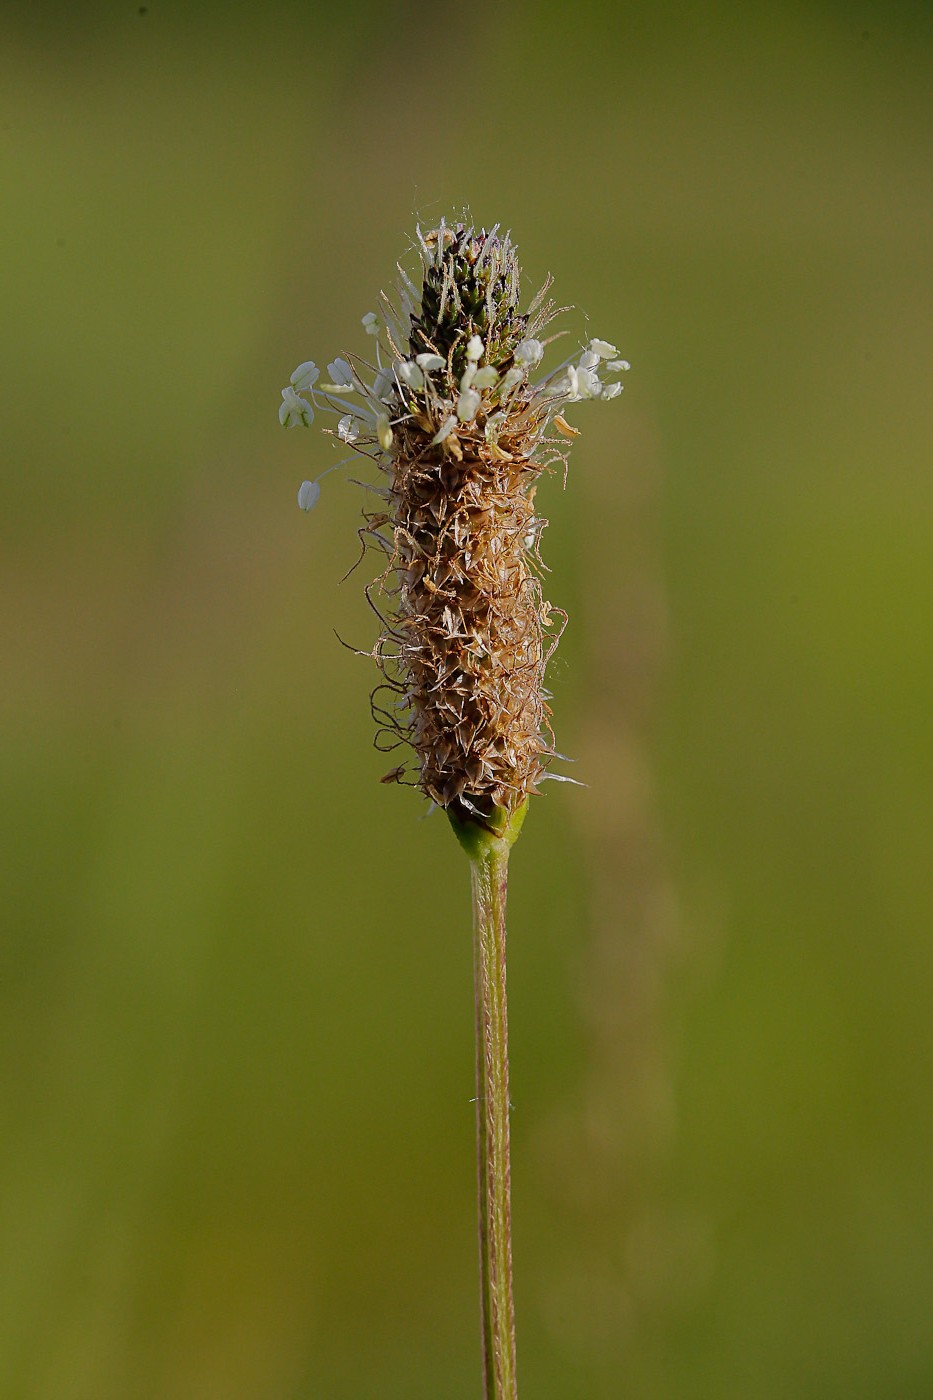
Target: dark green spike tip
[{"x": 472, "y": 287}]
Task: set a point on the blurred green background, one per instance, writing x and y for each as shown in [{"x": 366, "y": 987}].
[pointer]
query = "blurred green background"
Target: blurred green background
[{"x": 235, "y": 1004}]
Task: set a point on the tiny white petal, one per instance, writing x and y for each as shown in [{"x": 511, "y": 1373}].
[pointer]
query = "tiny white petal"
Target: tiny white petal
[
  {"x": 475, "y": 348},
  {"x": 603, "y": 349},
  {"x": 486, "y": 377},
  {"x": 429, "y": 362},
  {"x": 529, "y": 352},
  {"x": 384, "y": 432},
  {"x": 411, "y": 374},
  {"x": 469, "y": 374},
  {"x": 304, "y": 376},
  {"x": 371, "y": 323},
  {"x": 467, "y": 405},
  {"x": 308, "y": 493},
  {"x": 589, "y": 359},
  {"x": 611, "y": 391},
  {"x": 618, "y": 364},
  {"x": 445, "y": 429},
  {"x": 346, "y": 428}
]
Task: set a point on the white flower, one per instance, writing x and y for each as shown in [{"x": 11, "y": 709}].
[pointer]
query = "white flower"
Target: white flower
[
  {"x": 371, "y": 323},
  {"x": 384, "y": 432},
  {"x": 305, "y": 376},
  {"x": 429, "y": 362},
  {"x": 346, "y": 428},
  {"x": 618, "y": 364},
  {"x": 445, "y": 429},
  {"x": 341, "y": 375},
  {"x": 485, "y": 378},
  {"x": 589, "y": 359},
  {"x": 611, "y": 391},
  {"x": 294, "y": 411},
  {"x": 469, "y": 374},
  {"x": 590, "y": 384},
  {"x": 475, "y": 348},
  {"x": 603, "y": 349},
  {"x": 529, "y": 352},
  {"x": 467, "y": 405},
  {"x": 308, "y": 493},
  {"x": 411, "y": 374}
]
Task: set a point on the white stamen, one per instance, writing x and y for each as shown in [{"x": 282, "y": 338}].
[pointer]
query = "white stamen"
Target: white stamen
[
  {"x": 529, "y": 352},
  {"x": 384, "y": 432},
  {"x": 494, "y": 426},
  {"x": 294, "y": 411},
  {"x": 513, "y": 377},
  {"x": 410, "y": 374},
  {"x": 383, "y": 382},
  {"x": 341, "y": 374},
  {"x": 429, "y": 362},
  {"x": 305, "y": 376},
  {"x": 308, "y": 493},
  {"x": 467, "y": 405},
  {"x": 485, "y": 378}
]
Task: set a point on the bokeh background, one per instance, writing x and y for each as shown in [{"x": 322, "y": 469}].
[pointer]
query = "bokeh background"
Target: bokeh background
[{"x": 235, "y": 1006}]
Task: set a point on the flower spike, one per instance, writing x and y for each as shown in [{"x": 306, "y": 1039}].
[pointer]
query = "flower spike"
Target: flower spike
[{"x": 462, "y": 426}]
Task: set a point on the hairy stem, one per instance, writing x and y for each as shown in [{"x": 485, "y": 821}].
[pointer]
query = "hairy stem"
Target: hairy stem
[{"x": 489, "y": 874}]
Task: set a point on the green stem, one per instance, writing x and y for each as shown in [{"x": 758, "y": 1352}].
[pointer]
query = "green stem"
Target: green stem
[
  {"x": 489, "y": 861},
  {"x": 489, "y": 874}
]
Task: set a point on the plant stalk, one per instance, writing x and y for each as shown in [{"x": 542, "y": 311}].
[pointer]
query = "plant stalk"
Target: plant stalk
[
  {"x": 487, "y": 843},
  {"x": 489, "y": 876}
]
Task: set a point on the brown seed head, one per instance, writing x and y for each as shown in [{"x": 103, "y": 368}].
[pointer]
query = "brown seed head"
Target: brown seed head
[{"x": 462, "y": 434}]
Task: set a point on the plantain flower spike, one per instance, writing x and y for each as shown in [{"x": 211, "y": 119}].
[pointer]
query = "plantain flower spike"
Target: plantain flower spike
[{"x": 461, "y": 421}]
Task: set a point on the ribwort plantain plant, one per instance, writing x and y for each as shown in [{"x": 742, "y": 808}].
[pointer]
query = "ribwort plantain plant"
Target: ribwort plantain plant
[{"x": 457, "y": 417}]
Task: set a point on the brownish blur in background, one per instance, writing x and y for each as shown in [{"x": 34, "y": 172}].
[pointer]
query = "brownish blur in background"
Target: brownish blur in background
[{"x": 235, "y": 971}]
